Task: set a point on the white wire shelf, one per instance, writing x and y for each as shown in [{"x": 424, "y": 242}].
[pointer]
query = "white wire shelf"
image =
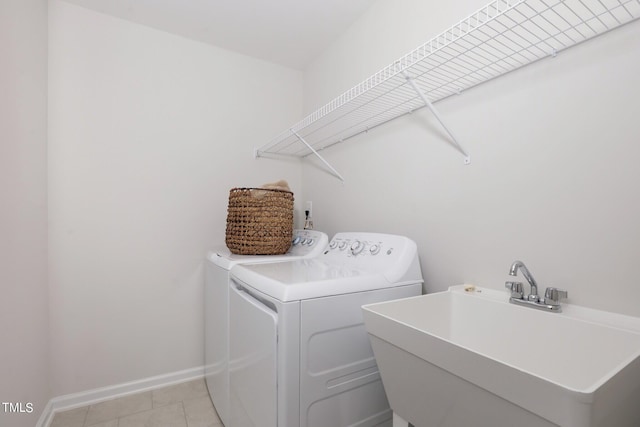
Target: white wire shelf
[{"x": 499, "y": 38}]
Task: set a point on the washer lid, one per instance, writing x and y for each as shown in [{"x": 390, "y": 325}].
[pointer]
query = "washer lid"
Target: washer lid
[{"x": 307, "y": 278}]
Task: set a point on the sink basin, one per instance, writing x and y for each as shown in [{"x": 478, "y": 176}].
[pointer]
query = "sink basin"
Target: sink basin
[{"x": 458, "y": 359}]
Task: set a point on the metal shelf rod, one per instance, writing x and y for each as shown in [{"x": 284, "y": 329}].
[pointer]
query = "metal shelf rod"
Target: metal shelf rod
[
  {"x": 454, "y": 140},
  {"x": 333, "y": 171}
]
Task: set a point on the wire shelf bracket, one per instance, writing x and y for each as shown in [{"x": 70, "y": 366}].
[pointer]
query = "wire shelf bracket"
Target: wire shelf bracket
[
  {"x": 259, "y": 153},
  {"x": 498, "y": 38},
  {"x": 434, "y": 111},
  {"x": 315, "y": 153}
]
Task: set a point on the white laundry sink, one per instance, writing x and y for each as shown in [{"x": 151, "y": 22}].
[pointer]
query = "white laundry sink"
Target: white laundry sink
[{"x": 471, "y": 359}]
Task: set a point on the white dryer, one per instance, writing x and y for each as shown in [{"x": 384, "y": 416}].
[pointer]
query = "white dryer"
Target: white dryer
[
  {"x": 299, "y": 354},
  {"x": 305, "y": 244}
]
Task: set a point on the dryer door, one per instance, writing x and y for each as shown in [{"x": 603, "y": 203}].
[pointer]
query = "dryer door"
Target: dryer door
[{"x": 252, "y": 360}]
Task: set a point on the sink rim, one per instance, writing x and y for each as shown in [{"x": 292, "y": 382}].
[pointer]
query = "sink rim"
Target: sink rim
[{"x": 602, "y": 319}]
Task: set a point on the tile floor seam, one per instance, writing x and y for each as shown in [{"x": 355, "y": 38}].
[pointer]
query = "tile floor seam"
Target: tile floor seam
[
  {"x": 184, "y": 414},
  {"x": 86, "y": 414}
]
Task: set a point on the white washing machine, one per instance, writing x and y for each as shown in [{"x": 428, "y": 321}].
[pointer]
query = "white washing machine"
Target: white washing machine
[
  {"x": 305, "y": 244},
  {"x": 299, "y": 351}
]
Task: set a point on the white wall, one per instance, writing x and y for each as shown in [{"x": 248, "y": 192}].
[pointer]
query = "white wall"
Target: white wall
[
  {"x": 553, "y": 179},
  {"x": 24, "y": 354},
  {"x": 148, "y": 132}
]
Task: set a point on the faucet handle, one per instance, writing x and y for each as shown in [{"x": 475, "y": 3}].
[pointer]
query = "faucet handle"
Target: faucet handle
[
  {"x": 552, "y": 296},
  {"x": 516, "y": 288}
]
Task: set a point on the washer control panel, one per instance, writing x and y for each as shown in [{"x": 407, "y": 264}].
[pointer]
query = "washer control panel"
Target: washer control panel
[
  {"x": 355, "y": 247},
  {"x": 371, "y": 250},
  {"x": 395, "y": 257}
]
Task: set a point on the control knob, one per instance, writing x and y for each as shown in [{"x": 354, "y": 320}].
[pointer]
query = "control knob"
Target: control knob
[
  {"x": 374, "y": 249},
  {"x": 356, "y": 247}
]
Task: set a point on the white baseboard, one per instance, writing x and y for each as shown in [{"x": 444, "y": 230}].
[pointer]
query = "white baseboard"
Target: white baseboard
[
  {"x": 89, "y": 397},
  {"x": 46, "y": 416}
]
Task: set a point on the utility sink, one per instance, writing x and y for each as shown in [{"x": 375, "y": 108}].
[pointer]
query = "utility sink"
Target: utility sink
[{"x": 470, "y": 359}]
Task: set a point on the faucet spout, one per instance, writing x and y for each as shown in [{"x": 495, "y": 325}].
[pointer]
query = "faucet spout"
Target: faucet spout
[{"x": 513, "y": 271}]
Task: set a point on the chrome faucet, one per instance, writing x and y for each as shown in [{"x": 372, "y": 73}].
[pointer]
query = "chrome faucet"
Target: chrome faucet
[
  {"x": 513, "y": 271},
  {"x": 552, "y": 296}
]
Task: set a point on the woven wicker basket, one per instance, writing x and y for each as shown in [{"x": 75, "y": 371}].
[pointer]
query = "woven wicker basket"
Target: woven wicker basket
[{"x": 259, "y": 221}]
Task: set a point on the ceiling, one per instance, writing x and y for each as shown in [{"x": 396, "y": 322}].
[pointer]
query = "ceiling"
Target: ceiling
[{"x": 287, "y": 32}]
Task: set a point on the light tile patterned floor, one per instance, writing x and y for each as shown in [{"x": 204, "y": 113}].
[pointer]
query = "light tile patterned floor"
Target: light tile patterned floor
[{"x": 181, "y": 405}]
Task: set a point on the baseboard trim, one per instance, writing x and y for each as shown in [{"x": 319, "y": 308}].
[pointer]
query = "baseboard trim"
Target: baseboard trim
[
  {"x": 46, "y": 416},
  {"x": 89, "y": 397}
]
